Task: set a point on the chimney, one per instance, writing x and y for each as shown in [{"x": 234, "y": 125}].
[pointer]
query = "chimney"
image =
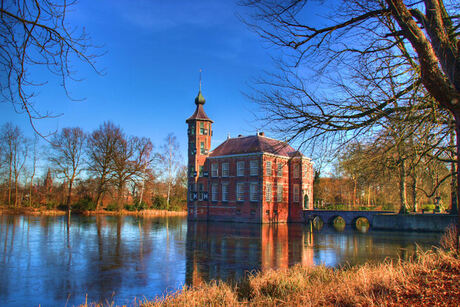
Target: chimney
[
  {"x": 261, "y": 133},
  {"x": 240, "y": 135}
]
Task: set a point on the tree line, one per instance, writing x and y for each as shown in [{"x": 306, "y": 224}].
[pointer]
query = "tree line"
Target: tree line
[
  {"x": 376, "y": 176},
  {"x": 104, "y": 169}
]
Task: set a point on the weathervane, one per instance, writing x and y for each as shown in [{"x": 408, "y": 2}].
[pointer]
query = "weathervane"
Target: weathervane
[{"x": 200, "y": 78}]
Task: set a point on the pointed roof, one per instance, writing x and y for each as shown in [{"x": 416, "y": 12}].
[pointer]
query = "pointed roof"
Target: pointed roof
[
  {"x": 199, "y": 111},
  {"x": 254, "y": 144}
]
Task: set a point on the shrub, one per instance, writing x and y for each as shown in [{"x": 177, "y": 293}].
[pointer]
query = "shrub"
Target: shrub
[
  {"x": 130, "y": 207},
  {"x": 140, "y": 206},
  {"x": 51, "y": 205},
  {"x": 84, "y": 204},
  {"x": 159, "y": 202},
  {"x": 111, "y": 207},
  {"x": 449, "y": 238}
]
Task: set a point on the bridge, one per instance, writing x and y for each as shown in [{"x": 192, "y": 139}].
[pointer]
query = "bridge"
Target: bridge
[{"x": 350, "y": 217}]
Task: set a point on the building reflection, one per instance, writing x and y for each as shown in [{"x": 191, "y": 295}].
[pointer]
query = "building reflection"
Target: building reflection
[{"x": 229, "y": 251}]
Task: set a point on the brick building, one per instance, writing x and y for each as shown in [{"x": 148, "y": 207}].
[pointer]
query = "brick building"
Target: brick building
[{"x": 245, "y": 179}]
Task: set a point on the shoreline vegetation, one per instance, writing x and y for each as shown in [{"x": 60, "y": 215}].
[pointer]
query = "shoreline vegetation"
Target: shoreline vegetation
[
  {"x": 429, "y": 278},
  {"x": 55, "y": 212}
]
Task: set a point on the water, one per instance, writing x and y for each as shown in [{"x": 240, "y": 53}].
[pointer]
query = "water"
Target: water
[{"x": 110, "y": 258}]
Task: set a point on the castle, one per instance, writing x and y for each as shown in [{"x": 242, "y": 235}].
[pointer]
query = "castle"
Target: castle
[{"x": 252, "y": 179}]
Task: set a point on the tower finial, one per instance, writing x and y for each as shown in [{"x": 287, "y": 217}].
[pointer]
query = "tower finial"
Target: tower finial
[{"x": 200, "y": 78}]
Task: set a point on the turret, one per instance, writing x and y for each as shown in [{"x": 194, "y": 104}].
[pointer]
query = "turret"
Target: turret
[{"x": 199, "y": 143}]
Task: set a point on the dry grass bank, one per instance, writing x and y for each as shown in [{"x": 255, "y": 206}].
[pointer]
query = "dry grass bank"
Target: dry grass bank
[
  {"x": 431, "y": 278},
  {"x": 31, "y": 211},
  {"x": 146, "y": 213},
  {"x": 54, "y": 212}
]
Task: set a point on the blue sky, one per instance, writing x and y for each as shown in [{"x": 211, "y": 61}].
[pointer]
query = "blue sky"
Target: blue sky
[{"x": 154, "y": 51}]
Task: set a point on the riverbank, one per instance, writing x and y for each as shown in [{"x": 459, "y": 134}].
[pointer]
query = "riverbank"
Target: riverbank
[
  {"x": 145, "y": 213},
  {"x": 430, "y": 279},
  {"x": 55, "y": 212},
  {"x": 31, "y": 211}
]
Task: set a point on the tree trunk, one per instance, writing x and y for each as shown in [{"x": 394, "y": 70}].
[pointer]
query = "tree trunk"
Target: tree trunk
[
  {"x": 69, "y": 195},
  {"x": 15, "y": 191},
  {"x": 119, "y": 202},
  {"x": 10, "y": 177},
  {"x": 457, "y": 130},
  {"x": 369, "y": 196},
  {"x": 355, "y": 183},
  {"x": 414, "y": 193},
  {"x": 30, "y": 190},
  {"x": 142, "y": 190},
  {"x": 169, "y": 194},
  {"x": 453, "y": 183},
  {"x": 402, "y": 186},
  {"x": 99, "y": 192}
]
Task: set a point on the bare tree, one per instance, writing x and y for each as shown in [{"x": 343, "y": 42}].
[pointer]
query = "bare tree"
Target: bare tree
[
  {"x": 67, "y": 156},
  {"x": 130, "y": 156},
  {"x": 33, "y": 168},
  {"x": 169, "y": 162},
  {"x": 415, "y": 40},
  {"x": 101, "y": 149},
  {"x": 36, "y": 33},
  {"x": 15, "y": 150}
]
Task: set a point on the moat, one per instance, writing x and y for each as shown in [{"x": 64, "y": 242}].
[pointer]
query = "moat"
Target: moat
[{"x": 111, "y": 258}]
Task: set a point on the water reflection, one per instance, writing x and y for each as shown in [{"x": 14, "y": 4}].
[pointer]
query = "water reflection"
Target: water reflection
[
  {"x": 229, "y": 251},
  {"x": 105, "y": 257}
]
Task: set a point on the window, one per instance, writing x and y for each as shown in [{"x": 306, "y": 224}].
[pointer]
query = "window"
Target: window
[
  {"x": 268, "y": 192},
  {"x": 192, "y": 129},
  {"x": 254, "y": 167},
  {"x": 202, "y": 149},
  {"x": 280, "y": 170},
  {"x": 225, "y": 169},
  {"x": 279, "y": 193},
  {"x": 253, "y": 195},
  {"x": 192, "y": 171},
  {"x": 214, "y": 192},
  {"x": 202, "y": 128},
  {"x": 225, "y": 191},
  {"x": 200, "y": 191},
  {"x": 201, "y": 170},
  {"x": 296, "y": 193},
  {"x": 268, "y": 168},
  {"x": 240, "y": 191},
  {"x": 192, "y": 148},
  {"x": 240, "y": 168},
  {"x": 191, "y": 190},
  {"x": 296, "y": 170},
  {"x": 214, "y": 170}
]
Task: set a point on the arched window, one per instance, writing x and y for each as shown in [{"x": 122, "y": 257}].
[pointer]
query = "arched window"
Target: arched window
[{"x": 306, "y": 202}]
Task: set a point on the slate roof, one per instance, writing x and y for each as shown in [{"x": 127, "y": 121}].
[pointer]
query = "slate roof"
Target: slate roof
[
  {"x": 199, "y": 111},
  {"x": 253, "y": 144},
  {"x": 199, "y": 114}
]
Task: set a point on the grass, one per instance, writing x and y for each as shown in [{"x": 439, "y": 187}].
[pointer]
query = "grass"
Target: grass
[
  {"x": 53, "y": 212},
  {"x": 31, "y": 211},
  {"x": 147, "y": 212},
  {"x": 430, "y": 278}
]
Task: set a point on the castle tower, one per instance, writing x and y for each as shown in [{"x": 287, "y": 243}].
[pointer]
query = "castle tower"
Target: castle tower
[{"x": 199, "y": 144}]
